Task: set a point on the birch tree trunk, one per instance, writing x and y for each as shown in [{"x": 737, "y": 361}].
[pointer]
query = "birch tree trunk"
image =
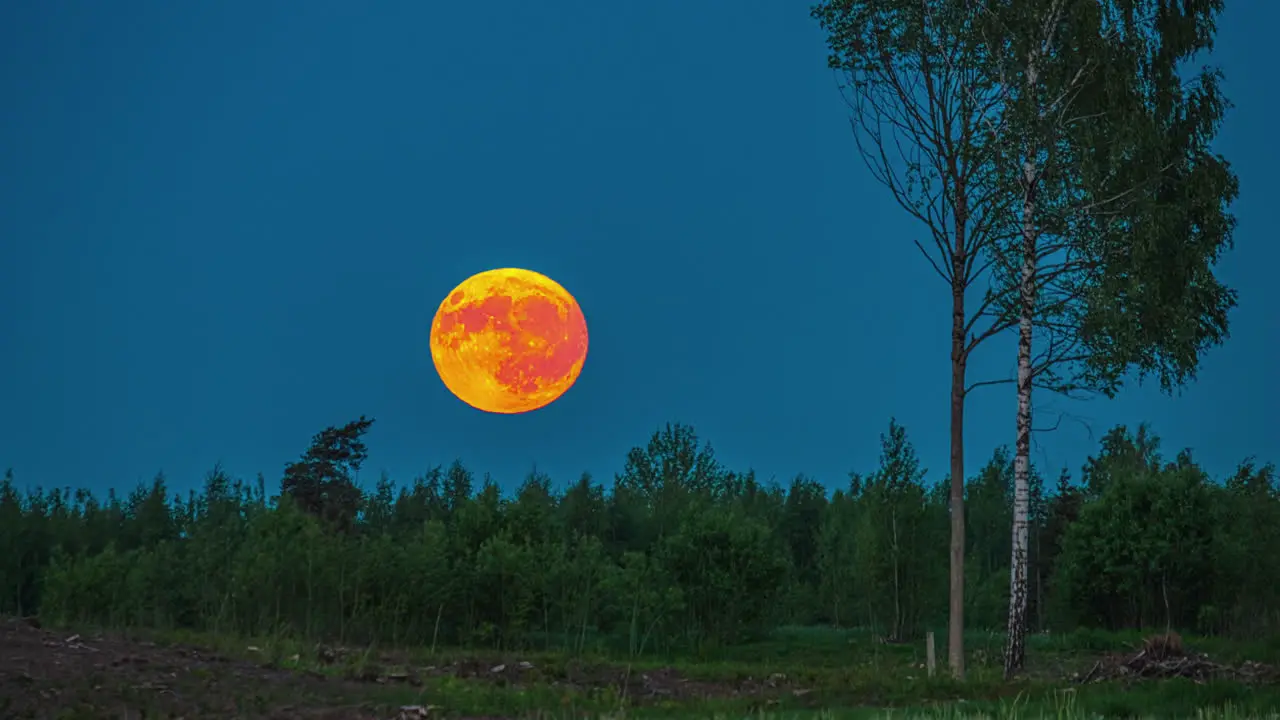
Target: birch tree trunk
[
  {"x": 1016, "y": 639},
  {"x": 1015, "y": 648}
]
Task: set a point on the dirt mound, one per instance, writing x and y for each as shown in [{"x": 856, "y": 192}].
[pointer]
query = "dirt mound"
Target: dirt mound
[{"x": 1165, "y": 656}]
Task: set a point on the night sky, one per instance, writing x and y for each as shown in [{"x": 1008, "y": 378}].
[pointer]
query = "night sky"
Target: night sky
[{"x": 227, "y": 225}]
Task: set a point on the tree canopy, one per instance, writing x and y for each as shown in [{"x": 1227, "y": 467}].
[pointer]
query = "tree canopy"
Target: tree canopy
[{"x": 1136, "y": 540}]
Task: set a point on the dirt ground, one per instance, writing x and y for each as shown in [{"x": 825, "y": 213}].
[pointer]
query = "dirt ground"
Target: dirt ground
[
  {"x": 45, "y": 674},
  {"x": 55, "y": 674}
]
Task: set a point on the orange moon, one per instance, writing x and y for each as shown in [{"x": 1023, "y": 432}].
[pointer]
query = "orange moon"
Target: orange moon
[{"x": 509, "y": 341}]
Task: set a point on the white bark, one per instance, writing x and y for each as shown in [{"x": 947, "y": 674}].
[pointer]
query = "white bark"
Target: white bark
[
  {"x": 1015, "y": 649},
  {"x": 1015, "y": 644}
]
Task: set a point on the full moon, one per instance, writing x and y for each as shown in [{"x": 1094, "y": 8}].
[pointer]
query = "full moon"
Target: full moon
[{"x": 509, "y": 341}]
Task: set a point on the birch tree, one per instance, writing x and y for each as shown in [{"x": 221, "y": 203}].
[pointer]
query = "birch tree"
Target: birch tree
[
  {"x": 1121, "y": 207},
  {"x": 924, "y": 110}
]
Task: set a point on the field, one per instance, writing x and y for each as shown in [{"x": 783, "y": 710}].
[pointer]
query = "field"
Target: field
[{"x": 798, "y": 672}]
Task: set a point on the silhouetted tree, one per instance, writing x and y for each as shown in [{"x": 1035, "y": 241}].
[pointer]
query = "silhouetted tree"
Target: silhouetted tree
[{"x": 321, "y": 481}]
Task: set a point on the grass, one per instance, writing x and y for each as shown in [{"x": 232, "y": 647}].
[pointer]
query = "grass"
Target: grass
[{"x": 820, "y": 673}]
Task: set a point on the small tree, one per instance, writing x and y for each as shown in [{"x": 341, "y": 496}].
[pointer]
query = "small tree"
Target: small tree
[
  {"x": 321, "y": 481},
  {"x": 891, "y": 529},
  {"x": 922, "y": 104}
]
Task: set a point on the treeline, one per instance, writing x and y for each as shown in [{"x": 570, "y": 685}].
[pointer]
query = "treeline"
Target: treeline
[{"x": 679, "y": 553}]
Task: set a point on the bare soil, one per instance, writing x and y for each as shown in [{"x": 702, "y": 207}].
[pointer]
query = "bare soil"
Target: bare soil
[
  {"x": 55, "y": 674},
  {"x": 46, "y": 674}
]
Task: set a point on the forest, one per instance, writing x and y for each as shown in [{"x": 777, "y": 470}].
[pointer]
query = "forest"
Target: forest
[
  {"x": 678, "y": 555},
  {"x": 1058, "y": 161}
]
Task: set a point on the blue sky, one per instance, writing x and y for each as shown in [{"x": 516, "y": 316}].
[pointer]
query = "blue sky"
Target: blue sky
[{"x": 227, "y": 225}]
